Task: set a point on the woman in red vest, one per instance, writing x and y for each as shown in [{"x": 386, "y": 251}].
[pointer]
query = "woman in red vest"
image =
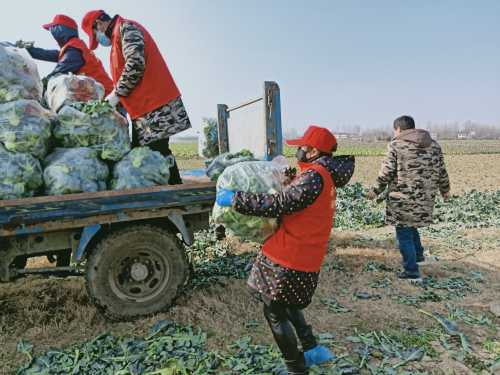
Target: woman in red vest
[
  {"x": 142, "y": 82},
  {"x": 285, "y": 275},
  {"x": 74, "y": 55}
]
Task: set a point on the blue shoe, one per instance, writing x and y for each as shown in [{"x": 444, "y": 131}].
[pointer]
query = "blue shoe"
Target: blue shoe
[{"x": 318, "y": 355}]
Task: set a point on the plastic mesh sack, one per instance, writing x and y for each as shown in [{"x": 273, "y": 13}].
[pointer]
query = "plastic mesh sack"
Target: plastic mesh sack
[
  {"x": 252, "y": 177},
  {"x": 141, "y": 167},
  {"x": 209, "y": 139},
  {"x": 20, "y": 175},
  {"x": 221, "y": 162},
  {"x": 95, "y": 125},
  {"x": 68, "y": 88},
  {"x": 19, "y": 77},
  {"x": 25, "y": 126},
  {"x": 74, "y": 170}
]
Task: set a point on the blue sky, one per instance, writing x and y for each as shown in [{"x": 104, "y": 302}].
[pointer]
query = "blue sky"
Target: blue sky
[{"x": 337, "y": 63}]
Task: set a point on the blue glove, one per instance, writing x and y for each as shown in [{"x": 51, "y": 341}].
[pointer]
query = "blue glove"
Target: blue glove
[
  {"x": 318, "y": 355},
  {"x": 225, "y": 198}
]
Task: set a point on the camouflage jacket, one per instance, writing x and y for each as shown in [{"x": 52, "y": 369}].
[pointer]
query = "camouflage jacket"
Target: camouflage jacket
[
  {"x": 413, "y": 173},
  {"x": 163, "y": 122}
]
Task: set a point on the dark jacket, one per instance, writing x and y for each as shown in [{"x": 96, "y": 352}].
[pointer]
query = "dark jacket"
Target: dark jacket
[{"x": 70, "y": 62}]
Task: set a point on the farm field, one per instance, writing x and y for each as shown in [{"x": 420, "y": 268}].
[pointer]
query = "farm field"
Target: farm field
[
  {"x": 373, "y": 322},
  {"x": 350, "y": 147}
]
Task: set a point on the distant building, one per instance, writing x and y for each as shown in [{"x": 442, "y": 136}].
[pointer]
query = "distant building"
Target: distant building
[{"x": 466, "y": 135}]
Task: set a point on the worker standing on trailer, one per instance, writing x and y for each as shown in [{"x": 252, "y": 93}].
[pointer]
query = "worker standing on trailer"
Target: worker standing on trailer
[
  {"x": 413, "y": 173},
  {"x": 74, "y": 55},
  {"x": 142, "y": 82},
  {"x": 285, "y": 275}
]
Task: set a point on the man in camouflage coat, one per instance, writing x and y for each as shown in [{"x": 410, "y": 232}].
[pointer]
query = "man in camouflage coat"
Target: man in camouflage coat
[
  {"x": 142, "y": 81},
  {"x": 413, "y": 173}
]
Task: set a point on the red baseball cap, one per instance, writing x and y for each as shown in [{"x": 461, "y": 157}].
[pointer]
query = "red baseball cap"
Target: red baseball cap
[
  {"x": 61, "y": 19},
  {"x": 317, "y": 137},
  {"x": 88, "y": 26}
]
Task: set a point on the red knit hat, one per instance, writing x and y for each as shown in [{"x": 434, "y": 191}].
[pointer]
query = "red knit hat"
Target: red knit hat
[
  {"x": 61, "y": 19},
  {"x": 317, "y": 137}
]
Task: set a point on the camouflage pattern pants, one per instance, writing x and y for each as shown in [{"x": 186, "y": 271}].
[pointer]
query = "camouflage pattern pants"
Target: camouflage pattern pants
[{"x": 162, "y": 123}]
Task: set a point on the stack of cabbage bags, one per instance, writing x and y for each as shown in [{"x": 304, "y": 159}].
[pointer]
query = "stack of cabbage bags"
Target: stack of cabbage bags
[
  {"x": 88, "y": 133},
  {"x": 25, "y": 126},
  {"x": 252, "y": 177}
]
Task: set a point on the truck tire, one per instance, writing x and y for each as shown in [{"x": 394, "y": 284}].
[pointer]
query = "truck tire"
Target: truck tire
[{"x": 137, "y": 270}]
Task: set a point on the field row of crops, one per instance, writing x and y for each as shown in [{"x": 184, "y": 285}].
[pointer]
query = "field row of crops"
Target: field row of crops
[{"x": 348, "y": 147}]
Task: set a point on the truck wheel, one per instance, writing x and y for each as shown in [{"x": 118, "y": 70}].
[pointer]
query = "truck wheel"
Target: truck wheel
[{"x": 135, "y": 271}]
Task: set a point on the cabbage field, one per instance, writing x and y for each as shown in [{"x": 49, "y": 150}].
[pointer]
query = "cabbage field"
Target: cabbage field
[{"x": 374, "y": 323}]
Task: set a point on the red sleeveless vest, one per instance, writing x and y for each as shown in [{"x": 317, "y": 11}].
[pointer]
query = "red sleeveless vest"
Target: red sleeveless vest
[
  {"x": 156, "y": 88},
  {"x": 93, "y": 66},
  {"x": 301, "y": 241}
]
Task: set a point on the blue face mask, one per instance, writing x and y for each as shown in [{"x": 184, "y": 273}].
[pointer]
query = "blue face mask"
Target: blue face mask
[{"x": 102, "y": 39}]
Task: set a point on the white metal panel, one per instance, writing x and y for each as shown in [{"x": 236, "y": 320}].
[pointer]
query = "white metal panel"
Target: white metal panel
[{"x": 247, "y": 129}]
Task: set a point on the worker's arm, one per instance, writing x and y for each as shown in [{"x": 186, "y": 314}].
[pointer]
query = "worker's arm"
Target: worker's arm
[
  {"x": 388, "y": 170},
  {"x": 50, "y": 55},
  {"x": 299, "y": 194},
  {"x": 71, "y": 62},
  {"x": 135, "y": 62}
]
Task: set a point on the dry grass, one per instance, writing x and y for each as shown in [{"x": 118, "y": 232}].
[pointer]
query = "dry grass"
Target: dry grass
[{"x": 56, "y": 312}]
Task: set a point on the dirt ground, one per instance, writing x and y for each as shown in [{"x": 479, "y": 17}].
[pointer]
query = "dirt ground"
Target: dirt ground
[
  {"x": 52, "y": 312},
  {"x": 466, "y": 172}
]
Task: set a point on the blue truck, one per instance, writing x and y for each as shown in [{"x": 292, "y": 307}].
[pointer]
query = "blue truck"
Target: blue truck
[{"x": 129, "y": 245}]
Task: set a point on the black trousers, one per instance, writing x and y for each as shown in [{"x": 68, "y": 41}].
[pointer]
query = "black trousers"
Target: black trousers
[
  {"x": 162, "y": 146},
  {"x": 285, "y": 322}
]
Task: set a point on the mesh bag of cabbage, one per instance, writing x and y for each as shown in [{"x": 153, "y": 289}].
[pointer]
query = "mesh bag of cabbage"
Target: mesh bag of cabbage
[
  {"x": 252, "y": 177},
  {"x": 74, "y": 170},
  {"x": 141, "y": 167},
  {"x": 96, "y": 125},
  {"x": 220, "y": 163},
  {"x": 20, "y": 175},
  {"x": 19, "y": 77},
  {"x": 25, "y": 126},
  {"x": 68, "y": 88}
]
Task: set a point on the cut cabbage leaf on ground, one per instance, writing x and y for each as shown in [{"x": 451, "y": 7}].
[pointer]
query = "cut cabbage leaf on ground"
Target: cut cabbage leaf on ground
[
  {"x": 74, "y": 170},
  {"x": 19, "y": 77},
  {"x": 141, "y": 167},
  {"x": 221, "y": 162},
  {"x": 252, "y": 177},
  {"x": 20, "y": 175},
  {"x": 96, "y": 125},
  {"x": 26, "y": 127},
  {"x": 68, "y": 88}
]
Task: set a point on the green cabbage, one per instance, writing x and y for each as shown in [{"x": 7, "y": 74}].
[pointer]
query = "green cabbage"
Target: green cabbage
[
  {"x": 20, "y": 175},
  {"x": 25, "y": 126},
  {"x": 141, "y": 167},
  {"x": 19, "y": 77},
  {"x": 221, "y": 162},
  {"x": 65, "y": 89},
  {"x": 74, "y": 170},
  {"x": 251, "y": 177},
  {"x": 96, "y": 125}
]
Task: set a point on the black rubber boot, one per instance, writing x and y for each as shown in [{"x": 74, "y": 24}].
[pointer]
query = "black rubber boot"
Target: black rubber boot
[{"x": 294, "y": 367}]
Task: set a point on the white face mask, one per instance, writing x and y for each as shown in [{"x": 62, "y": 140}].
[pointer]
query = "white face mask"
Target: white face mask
[{"x": 102, "y": 39}]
